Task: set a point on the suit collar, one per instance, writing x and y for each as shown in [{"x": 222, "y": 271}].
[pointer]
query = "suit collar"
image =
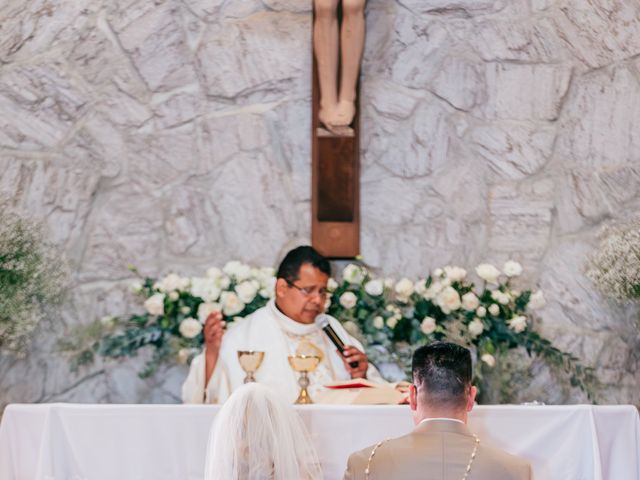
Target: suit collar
[{"x": 442, "y": 426}]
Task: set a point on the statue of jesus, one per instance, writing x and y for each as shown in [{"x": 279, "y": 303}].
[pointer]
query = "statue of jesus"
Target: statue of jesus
[{"x": 332, "y": 42}]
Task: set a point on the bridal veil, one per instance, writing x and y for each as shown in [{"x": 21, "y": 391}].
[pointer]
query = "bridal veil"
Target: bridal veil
[{"x": 257, "y": 435}]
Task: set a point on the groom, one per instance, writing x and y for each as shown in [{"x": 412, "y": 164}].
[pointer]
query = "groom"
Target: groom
[
  {"x": 284, "y": 327},
  {"x": 441, "y": 447}
]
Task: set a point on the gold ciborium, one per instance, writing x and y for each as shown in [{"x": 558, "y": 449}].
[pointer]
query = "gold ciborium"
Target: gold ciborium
[
  {"x": 304, "y": 364},
  {"x": 250, "y": 361}
]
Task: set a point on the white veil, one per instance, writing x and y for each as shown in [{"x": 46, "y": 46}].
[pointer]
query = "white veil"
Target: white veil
[{"x": 257, "y": 435}]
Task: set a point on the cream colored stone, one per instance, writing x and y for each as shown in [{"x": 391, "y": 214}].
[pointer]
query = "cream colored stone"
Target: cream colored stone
[
  {"x": 599, "y": 32},
  {"x": 521, "y": 92},
  {"x": 514, "y": 150},
  {"x": 275, "y": 52}
]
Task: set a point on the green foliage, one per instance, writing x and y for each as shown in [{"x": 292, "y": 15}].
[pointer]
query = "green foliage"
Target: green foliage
[{"x": 31, "y": 278}]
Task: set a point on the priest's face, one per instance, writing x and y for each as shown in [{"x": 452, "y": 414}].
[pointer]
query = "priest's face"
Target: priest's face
[{"x": 303, "y": 299}]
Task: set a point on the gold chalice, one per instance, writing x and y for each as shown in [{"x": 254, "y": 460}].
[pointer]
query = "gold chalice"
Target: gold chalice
[
  {"x": 304, "y": 364},
  {"x": 250, "y": 361}
]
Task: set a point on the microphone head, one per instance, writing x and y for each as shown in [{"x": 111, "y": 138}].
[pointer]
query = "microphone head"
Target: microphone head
[{"x": 321, "y": 320}]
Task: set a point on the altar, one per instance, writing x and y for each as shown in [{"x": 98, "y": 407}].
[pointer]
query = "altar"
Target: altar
[{"x": 169, "y": 442}]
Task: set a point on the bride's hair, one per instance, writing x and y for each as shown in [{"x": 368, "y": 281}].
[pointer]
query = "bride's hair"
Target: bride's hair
[{"x": 257, "y": 435}]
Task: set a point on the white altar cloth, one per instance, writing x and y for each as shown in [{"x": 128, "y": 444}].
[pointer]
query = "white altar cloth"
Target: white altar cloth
[{"x": 168, "y": 442}]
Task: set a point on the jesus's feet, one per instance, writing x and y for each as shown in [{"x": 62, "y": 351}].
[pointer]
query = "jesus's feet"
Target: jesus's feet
[
  {"x": 337, "y": 118},
  {"x": 345, "y": 111}
]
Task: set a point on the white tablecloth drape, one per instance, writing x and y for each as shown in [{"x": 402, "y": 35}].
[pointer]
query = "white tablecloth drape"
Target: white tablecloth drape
[{"x": 168, "y": 442}]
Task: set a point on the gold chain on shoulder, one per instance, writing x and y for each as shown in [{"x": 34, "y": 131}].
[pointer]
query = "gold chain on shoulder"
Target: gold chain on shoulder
[
  {"x": 473, "y": 457},
  {"x": 373, "y": 452},
  {"x": 466, "y": 472}
]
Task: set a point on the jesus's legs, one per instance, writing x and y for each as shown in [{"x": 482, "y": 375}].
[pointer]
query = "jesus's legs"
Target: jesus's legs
[
  {"x": 325, "y": 44},
  {"x": 351, "y": 46}
]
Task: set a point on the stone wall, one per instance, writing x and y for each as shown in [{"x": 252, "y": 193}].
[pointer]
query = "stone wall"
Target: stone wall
[{"x": 175, "y": 135}]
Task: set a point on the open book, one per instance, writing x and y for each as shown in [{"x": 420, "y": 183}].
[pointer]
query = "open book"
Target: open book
[{"x": 360, "y": 391}]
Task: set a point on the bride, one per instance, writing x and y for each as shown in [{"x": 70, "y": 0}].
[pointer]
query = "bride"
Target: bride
[{"x": 258, "y": 436}]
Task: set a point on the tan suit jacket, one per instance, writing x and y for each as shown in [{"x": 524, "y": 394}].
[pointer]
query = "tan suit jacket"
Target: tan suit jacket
[{"x": 436, "y": 450}]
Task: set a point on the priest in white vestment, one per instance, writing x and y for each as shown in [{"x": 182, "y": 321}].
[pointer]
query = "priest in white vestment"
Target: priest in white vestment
[{"x": 284, "y": 327}]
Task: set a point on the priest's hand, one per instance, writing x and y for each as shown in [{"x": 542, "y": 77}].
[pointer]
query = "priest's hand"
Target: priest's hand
[
  {"x": 352, "y": 354},
  {"x": 213, "y": 331}
]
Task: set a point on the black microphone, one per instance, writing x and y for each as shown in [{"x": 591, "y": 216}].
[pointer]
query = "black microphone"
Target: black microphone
[{"x": 323, "y": 322}]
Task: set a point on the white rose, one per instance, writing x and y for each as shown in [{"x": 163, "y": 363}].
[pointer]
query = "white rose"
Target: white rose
[
  {"x": 389, "y": 282},
  {"x": 512, "y": 268},
  {"x": 354, "y": 273},
  {"x": 488, "y": 359},
  {"x": 455, "y": 274},
  {"x": 392, "y": 322},
  {"x": 500, "y": 297},
  {"x": 404, "y": 289},
  {"x": 332, "y": 285},
  {"x": 470, "y": 301},
  {"x": 185, "y": 310},
  {"x": 206, "y": 309},
  {"x": 205, "y": 288},
  {"x": 231, "y": 304},
  {"x": 420, "y": 286},
  {"x": 174, "y": 296},
  {"x": 155, "y": 304},
  {"x": 432, "y": 292},
  {"x": 518, "y": 324},
  {"x": 214, "y": 273},
  {"x": 378, "y": 322},
  {"x": 494, "y": 309},
  {"x": 224, "y": 282},
  {"x": 190, "y": 328},
  {"x": 327, "y": 302},
  {"x": 481, "y": 311},
  {"x": 428, "y": 325},
  {"x": 267, "y": 272},
  {"x": 136, "y": 287},
  {"x": 449, "y": 300},
  {"x": 488, "y": 273},
  {"x": 348, "y": 300},
  {"x": 175, "y": 282},
  {"x": 476, "y": 327},
  {"x": 536, "y": 300},
  {"x": 437, "y": 272},
  {"x": 237, "y": 270},
  {"x": 374, "y": 287},
  {"x": 230, "y": 268},
  {"x": 247, "y": 290}
]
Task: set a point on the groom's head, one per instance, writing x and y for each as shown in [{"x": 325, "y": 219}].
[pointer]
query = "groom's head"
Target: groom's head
[
  {"x": 301, "y": 285},
  {"x": 442, "y": 381}
]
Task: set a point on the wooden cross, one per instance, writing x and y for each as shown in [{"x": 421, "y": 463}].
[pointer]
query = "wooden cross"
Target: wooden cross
[{"x": 335, "y": 198}]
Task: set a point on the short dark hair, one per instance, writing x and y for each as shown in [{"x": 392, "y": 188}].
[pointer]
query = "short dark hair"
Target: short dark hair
[
  {"x": 443, "y": 370},
  {"x": 290, "y": 266}
]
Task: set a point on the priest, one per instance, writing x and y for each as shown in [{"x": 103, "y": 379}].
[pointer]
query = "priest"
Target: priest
[{"x": 284, "y": 327}]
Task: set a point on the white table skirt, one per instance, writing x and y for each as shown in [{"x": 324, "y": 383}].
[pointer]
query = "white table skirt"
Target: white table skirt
[{"x": 168, "y": 442}]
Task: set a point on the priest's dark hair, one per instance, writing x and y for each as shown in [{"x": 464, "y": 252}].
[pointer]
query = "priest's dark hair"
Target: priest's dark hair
[
  {"x": 292, "y": 261},
  {"x": 442, "y": 373}
]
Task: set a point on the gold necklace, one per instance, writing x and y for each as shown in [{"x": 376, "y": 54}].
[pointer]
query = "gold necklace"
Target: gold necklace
[{"x": 466, "y": 472}]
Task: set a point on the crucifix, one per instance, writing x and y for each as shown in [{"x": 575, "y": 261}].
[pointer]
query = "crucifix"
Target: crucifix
[{"x": 338, "y": 40}]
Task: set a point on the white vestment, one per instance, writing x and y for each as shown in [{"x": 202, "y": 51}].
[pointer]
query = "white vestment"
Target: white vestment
[{"x": 272, "y": 332}]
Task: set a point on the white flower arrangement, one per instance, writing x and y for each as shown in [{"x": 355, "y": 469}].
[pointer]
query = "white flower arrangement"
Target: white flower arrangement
[{"x": 388, "y": 316}]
